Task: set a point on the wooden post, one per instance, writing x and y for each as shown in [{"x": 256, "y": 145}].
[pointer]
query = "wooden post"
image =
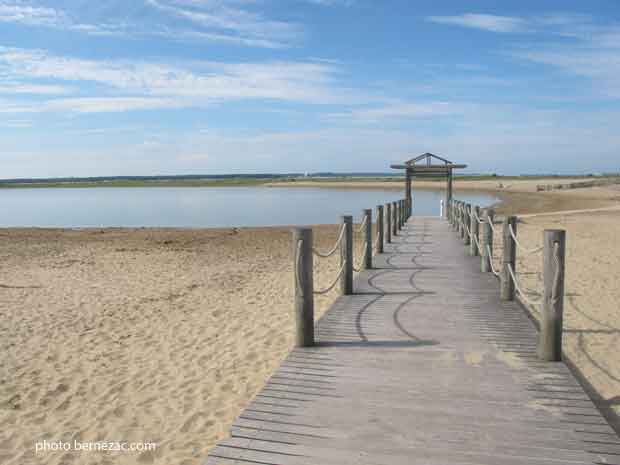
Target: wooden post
[
  {"x": 486, "y": 239},
  {"x": 388, "y": 223},
  {"x": 401, "y": 209},
  {"x": 466, "y": 222},
  {"x": 304, "y": 287},
  {"x": 346, "y": 256},
  {"x": 507, "y": 286},
  {"x": 380, "y": 229},
  {"x": 455, "y": 215},
  {"x": 408, "y": 186},
  {"x": 367, "y": 264},
  {"x": 460, "y": 211},
  {"x": 550, "y": 337},
  {"x": 394, "y": 222},
  {"x": 449, "y": 190},
  {"x": 473, "y": 227}
]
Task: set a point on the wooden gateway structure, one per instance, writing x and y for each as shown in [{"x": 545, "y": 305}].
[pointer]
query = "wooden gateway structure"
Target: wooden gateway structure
[{"x": 428, "y": 165}]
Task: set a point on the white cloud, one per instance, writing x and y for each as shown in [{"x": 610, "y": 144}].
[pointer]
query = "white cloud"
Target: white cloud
[
  {"x": 592, "y": 51},
  {"x": 400, "y": 111},
  {"x": 17, "y": 12},
  {"x": 35, "y": 89},
  {"x": 225, "y": 21},
  {"x": 225, "y": 17},
  {"x": 485, "y": 22},
  {"x": 124, "y": 85}
]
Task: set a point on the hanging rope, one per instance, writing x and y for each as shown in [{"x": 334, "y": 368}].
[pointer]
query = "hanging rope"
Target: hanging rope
[
  {"x": 520, "y": 291},
  {"x": 490, "y": 252},
  {"x": 375, "y": 246},
  {"x": 333, "y": 284},
  {"x": 491, "y": 224},
  {"x": 477, "y": 217},
  {"x": 318, "y": 253},
  {"x": 526, "y": 250},
  {"x": 300, "y": 289},
  {"x": 358, "y": 269},
  {"x": 363, "y": 224},
  {"x": 555, "y": 288},
  {"x": 475, "y": 239}
]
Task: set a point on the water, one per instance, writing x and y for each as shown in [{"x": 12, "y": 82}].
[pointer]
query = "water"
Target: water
[{"x": 201, "y": 206}]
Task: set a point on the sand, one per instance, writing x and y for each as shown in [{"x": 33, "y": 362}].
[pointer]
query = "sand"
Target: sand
[
  {"x": 140, "y": 335},
  {"x": 165, "y": 335}
]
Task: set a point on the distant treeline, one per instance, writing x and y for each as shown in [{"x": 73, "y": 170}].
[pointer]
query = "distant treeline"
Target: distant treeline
[
  {"x": 184, "y": 177},
  {"x": 262, "y": 176}
]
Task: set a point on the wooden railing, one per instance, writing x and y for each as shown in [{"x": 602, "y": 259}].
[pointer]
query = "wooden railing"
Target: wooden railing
[
  {"x": 477, "y": 227},
  {"x": 390, "y": 220}
]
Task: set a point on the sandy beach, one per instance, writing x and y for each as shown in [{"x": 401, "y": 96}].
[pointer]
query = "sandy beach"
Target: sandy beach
[
  {"x": 140, "y": 335},
  {"x": 165, "y": 335}
]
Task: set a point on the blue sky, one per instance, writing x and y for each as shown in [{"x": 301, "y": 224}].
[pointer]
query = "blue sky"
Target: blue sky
[{"x": 143, "y": 87}]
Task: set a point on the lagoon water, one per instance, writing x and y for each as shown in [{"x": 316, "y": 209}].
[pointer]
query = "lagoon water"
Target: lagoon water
[{"x": 199, "y": 207}]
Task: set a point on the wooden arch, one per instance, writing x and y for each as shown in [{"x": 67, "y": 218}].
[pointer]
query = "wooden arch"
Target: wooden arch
[{"x": 428, "y": 165}]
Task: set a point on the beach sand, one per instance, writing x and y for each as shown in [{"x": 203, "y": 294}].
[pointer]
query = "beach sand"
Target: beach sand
[
  {"x": 165, "y": 335},
  {"x": 140, "y": 335}
]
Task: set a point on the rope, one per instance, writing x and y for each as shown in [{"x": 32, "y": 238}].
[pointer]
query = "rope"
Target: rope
[
  {"x": 490, "y": 252},
  {"x": 332, "y": 251},
  {"x": 358, "y": 269},
  {"x": 555, "y": 289},
  {"x": 375, "y": 246},
  {"x": 491, "y": 224},
  {"x": 526, "y": 250},
  {"x": 363, "y": 224},
  {"x": 475, "y": 239},
  {"x": 333, "y": 284},
  {"x": 518, "y": 288},
  {"x": 477, "y": 217},
  {"x": 297, "y": 257}
]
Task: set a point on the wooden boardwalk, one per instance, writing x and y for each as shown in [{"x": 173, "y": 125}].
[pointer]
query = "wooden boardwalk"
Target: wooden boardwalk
[{"x": 423, "y": 365}]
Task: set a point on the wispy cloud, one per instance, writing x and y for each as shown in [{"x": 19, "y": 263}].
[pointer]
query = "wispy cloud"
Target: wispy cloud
[
  {"x": 18, "y": 12},
  {"x": 485, "y": 22},
  {"x": 331, "y": 2},
  {"x": 400, "y": 111},
  {"x": 225, "y": 21},
  {"x": 124, "y": 85}
]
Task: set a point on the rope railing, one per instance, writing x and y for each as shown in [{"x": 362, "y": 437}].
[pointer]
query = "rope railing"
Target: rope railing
[
  {"x": 333, "y": 284},
  {"x": 526, "y": 298},
  {"x": 490, "y": 252},
  {"x": 477, "y": 218},
  {"x": 525, "y": 249},
  {"x": 300, "y": 288},
  {"x": 362, "y": 224},
  {"x": 331, "y": 252},
  {"x": 375, "y": 245},
  {"x": 490, "y": 221},
  {"x": 555, "y": 288},
  {"x": 548, "y": 308},
  {"x": 357, "y": 269}
]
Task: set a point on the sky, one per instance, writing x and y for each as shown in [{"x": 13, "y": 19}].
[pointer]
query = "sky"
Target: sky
[{"x": 145, "y": 87}]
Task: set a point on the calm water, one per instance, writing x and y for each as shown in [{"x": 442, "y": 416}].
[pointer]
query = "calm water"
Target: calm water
[{"x": 200, "y": 206}]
